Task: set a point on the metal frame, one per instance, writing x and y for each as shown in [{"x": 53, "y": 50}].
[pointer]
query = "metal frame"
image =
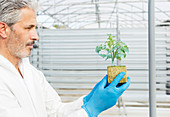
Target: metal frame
[
  {"x": 76, "y": 14},
  {"x": 152, "y": 70}
]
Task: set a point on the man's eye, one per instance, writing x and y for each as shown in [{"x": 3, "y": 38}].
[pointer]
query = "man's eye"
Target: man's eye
[{"x": 28, "y": 28}]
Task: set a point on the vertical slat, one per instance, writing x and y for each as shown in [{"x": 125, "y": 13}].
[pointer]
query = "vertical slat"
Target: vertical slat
[{"x": 152, "y": 76}]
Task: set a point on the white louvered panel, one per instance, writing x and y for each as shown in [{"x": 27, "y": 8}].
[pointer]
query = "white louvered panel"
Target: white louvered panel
[{"x": 71, "y": 65}]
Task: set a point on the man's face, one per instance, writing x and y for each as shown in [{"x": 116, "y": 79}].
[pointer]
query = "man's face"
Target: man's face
[{"x": 23, "y": 35}]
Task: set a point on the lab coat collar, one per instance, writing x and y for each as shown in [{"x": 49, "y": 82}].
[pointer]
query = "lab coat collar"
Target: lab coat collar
[{"x": 5, "y": 63}]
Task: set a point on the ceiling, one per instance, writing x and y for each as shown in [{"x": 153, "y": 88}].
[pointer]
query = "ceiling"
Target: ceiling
[{"x": 80, "y": 14}]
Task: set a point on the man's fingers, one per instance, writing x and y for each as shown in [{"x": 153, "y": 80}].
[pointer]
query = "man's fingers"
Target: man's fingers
[
  {"x": 117, "y": 79},
  {"x": 125, "y": 85},
  {"x": 103, "y": 82}
]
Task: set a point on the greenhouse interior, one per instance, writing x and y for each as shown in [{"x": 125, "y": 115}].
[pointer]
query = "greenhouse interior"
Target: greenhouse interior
[{"x": 69, "y": 32}]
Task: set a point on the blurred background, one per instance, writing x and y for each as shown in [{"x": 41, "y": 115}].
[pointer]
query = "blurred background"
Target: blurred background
[{"x": 69, "y": 32}]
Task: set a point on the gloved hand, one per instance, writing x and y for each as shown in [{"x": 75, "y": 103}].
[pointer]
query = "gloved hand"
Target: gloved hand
[
  {"x": 86, "y": 99},
  {"x": 104, "y": 96}
]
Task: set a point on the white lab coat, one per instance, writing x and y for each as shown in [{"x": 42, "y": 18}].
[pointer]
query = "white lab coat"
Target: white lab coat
[{"x": 31, "y": 96}]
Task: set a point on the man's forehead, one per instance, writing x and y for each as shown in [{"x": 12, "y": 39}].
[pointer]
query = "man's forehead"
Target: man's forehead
[{"x": 28, "y": 16}]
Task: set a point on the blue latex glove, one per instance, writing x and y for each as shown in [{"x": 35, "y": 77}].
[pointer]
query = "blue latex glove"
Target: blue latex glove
[
  {"x": 87, "y": 98},
  {"x": 104, "y": 96}
]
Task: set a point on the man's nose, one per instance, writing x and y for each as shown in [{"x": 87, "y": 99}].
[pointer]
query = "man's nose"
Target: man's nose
[{"x": 34, "y": 35}]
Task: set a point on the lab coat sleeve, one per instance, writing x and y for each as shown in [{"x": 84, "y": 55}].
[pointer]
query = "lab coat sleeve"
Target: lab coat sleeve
[
  {"x": 78, "y": 113},
  {"x": 72, "y": 109},
  {"x": 55, "y": 107}
]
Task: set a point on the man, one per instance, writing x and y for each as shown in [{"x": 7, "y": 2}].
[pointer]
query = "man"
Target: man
[{"x": 24, "y": 91}]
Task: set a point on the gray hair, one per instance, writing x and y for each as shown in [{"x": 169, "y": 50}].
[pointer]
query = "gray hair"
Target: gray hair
[{"x": 10, "y": 10}]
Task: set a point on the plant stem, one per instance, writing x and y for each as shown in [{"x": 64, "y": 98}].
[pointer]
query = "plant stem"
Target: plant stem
[{"x": 112, "y": 58}]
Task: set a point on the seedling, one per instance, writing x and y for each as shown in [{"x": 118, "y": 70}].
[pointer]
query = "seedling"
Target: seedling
[{"x": 113, "y": 49}]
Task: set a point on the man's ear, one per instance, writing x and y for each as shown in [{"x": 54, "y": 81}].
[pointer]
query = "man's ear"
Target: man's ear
[{"x": 3, "y": 30}]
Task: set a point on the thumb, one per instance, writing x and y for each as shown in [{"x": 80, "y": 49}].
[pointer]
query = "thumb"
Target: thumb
[{"x": 86, "y": 99}]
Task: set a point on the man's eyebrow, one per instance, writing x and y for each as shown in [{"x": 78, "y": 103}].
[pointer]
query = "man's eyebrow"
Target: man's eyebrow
[{"x": 32, "y": 25}]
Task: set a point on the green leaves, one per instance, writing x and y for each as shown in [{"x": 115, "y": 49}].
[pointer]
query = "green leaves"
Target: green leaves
[
  {"x": 112, "y": 49},
  {"x": 98, "y": 48}
]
